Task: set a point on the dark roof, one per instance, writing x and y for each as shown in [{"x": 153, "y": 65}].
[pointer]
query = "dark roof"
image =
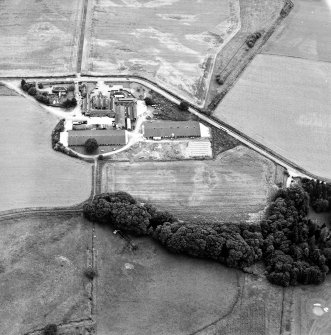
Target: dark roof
[
  {"x": 103, "y": 137},
  {"x": 172, "y": 128}
]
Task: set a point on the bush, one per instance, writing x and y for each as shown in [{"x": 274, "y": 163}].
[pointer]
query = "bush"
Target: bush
[
  {"x": 68, "y": 103},
  {"x": 32, "y": 91},
  {"x": 183, "y": 106},
  {"x": 40, "y": 85},
  {"x": 90, "y": 273},
  {"x": 50, "y": 329},
  {"x": 91, "y": 145},
  {"x": 148, "y": 101}
]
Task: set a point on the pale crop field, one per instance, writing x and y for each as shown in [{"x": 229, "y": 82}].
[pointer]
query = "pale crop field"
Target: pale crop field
[
  {"x": 306, "y": 32},
  {"x": 39, "y": 37},
  {"x": 284, "y": 103},
  {"x": 171, "y": 42},
  {"x": 233, "y": 187},
  {"x": 31, "y": 173}
]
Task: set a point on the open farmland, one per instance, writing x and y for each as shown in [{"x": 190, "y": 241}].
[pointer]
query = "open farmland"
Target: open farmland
[
  {"x": 171, "y": 42},
  {"x": 306, "y": 33},
  {"x": 306, "y": 309},
  {"x": 32, "y": 174},
  {"x": 150, "y": 291},
  {"x": 233, "y": 187},
  {"x": 284, "y": 103},
  {"x": 39, "y": 36},
  {"x": 42, "y": 261}
]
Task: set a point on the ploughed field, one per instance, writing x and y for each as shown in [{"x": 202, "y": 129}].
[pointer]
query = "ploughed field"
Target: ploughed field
[
  {"x": 306, "y": 32},
  {"x": 150, "y": 291},
  {"x": 39, "y": 36},
  {"x": 284, "y": 103},
  {"x": 233, "y": 187},
  {"x": 171, "y": 42},
  {"x": 42, "y": 261},
  {"x": 32, "y": 174}
]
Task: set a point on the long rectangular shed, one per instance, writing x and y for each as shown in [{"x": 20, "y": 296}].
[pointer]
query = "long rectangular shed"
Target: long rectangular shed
[
  {"x": 103, "y": 137},
  {"x": 171, "y": 129}
]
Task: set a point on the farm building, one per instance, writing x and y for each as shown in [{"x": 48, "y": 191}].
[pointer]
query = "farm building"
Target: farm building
[
  {"x": 103, "y": 137},
  {"x": 120, "y": 116},
  {"x": 171, "y": 129},
  {"x": 101, "y": 102}
]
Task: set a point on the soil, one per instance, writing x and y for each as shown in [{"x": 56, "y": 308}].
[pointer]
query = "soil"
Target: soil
[{"x": 234, "y": 187}]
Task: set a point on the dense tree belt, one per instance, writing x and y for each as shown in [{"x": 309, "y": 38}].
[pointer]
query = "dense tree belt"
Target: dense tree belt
[{"x": 294, "y": 249}]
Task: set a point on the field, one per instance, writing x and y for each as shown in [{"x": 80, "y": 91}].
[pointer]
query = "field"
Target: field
[
  {"x": 151, "y": 291},
  {"x": 306, "y": 33},
  {"x": 32, "y": 174},
  {"x": 284, "y": 103},
  {"x": 39, "y": 36},
  {"x": 42, "y": 260},
  {"x": 258, "y": 310},
  {"x": 171, "y": 42},
  {"x": 233, "y": 187},
  {"x": 308, "y": 318}
]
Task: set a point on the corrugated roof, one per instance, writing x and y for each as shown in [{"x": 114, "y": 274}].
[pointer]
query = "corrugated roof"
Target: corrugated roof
[
  {"x": 172, "y": 128},
  {"x": 103, "y": 137}
]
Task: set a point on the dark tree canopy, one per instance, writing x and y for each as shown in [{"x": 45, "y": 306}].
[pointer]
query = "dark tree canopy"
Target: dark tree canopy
[
  {"x": 149, "y": 101},
  {"x": 183, "y": 106},
  {"x": 50, "y": 329},
  {"x": 91, "y": 145},
  {"x": 32, "y": 91}
]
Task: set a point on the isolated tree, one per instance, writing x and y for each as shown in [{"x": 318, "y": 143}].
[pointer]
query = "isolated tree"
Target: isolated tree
[
  {"x": 68, "y": 103},
  {"x": 40, "y": 85},
  {"x": 183, "y": 106},
  {"x": 91, "y": 145}
]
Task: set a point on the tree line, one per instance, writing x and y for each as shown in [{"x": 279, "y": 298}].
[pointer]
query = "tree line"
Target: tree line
[{"x": 294, "y": 249}]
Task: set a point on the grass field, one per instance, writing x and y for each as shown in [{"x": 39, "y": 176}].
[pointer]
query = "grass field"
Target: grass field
[
  {"x": 171, "y": 42},
  {"x": 284, "y": 104},
  {"x": 233, "y": 187},
  {"x": 42, "y": 260},
  {"x": 39, "y": 36},
  {"x": 152, "y": 291},
  {"x": 258, "y": 311},
  {"x": 306, "y": 32},
  {"x": 307, "y": 319},
  {"x": 32, "y": 174}
]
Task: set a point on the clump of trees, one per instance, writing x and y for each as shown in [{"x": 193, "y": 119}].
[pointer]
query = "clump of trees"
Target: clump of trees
[
  {"x": 91, "y": 145},
  {"x": 296, "y": 250},
  {"x": 120, "y": 210},
  {"x": 56, "y": 133},
  {"x": 251, "y": 39},
  {"x": 319, "y": 194},
  {"x": 235, "y": 245}
]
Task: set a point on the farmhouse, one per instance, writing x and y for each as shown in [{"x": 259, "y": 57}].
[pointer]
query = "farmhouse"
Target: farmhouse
[
  {"x": 103, "y": 137},
  {"x": 171, "y": 129}
]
